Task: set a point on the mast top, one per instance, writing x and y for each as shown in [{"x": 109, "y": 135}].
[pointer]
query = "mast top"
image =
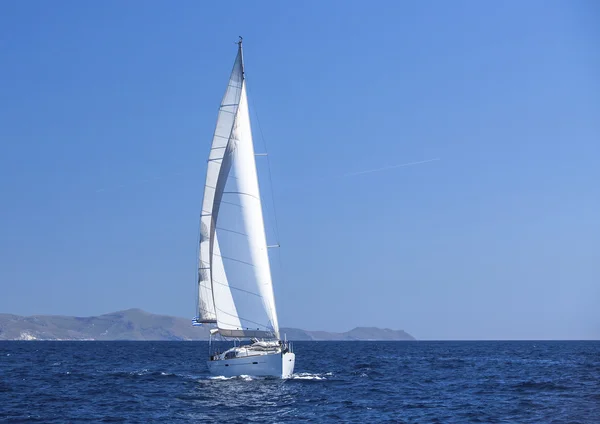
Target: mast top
[{"x": 239, "y": 43}]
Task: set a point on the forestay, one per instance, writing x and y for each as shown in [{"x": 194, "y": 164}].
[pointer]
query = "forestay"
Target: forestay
[{"x": 234, "y": 277}]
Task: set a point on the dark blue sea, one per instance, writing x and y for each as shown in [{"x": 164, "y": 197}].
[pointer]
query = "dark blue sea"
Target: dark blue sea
[{"x": 355, "y": 382}]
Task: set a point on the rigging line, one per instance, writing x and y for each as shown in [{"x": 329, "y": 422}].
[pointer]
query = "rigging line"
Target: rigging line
[
  {"x": 242, "y": 319},
  {"x": 234, "y": 259},
  {"x": 268, "y": 163},
  {"x": 236, "y": 288},
  {"x": 241, "y": 193},
  {"x": 240, "y": 327},
  {"x": 232, "y": 231},
  {"x": 231, "y": 203},
  {"x": 278, "y": 238}
]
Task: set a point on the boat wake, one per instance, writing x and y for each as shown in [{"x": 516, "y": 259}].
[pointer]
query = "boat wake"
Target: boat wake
[
  {"x": 298, "y": 376},
  {"x": 237, "y": 377},
  {"x": 310, "y": 376}
]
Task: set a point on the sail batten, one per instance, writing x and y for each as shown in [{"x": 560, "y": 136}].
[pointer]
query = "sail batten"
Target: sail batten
[{"x": 234, "y": 275}]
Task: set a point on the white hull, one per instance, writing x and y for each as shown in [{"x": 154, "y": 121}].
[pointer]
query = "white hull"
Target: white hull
[{"x": 279, "y": 365}]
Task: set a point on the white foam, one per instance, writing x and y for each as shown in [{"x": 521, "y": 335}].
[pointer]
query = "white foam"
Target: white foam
[
  {"x": 242, "y": 377},
  {"x": 298, "y": 376},
  {"x": 235, "y": 377},
  {"x": 220, "y": 377},
  {"x": 309, "y": 376}
]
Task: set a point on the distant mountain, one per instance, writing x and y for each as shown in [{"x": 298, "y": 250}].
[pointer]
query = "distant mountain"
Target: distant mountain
[{"x": 135, "y": 324}]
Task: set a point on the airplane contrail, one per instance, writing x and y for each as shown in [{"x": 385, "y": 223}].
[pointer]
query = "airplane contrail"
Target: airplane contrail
[{"x": 385, "y": 168}]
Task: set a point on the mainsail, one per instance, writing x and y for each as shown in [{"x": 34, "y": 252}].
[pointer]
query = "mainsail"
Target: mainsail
[{"x": 234, "y": 277}]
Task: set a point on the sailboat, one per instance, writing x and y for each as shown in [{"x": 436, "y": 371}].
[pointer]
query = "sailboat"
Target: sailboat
[{"x": 235, "y": 289}]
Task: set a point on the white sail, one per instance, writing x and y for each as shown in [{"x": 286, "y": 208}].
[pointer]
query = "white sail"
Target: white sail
[
  {"x": 234, "y": 262},
  {"x": 208, "y": 266}
]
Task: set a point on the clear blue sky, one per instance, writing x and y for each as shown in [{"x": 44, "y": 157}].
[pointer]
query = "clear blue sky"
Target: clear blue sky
[{"x": 107, "y": 112}]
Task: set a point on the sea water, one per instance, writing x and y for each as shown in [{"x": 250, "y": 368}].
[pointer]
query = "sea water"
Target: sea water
[{"x": 361, "y": 382}]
